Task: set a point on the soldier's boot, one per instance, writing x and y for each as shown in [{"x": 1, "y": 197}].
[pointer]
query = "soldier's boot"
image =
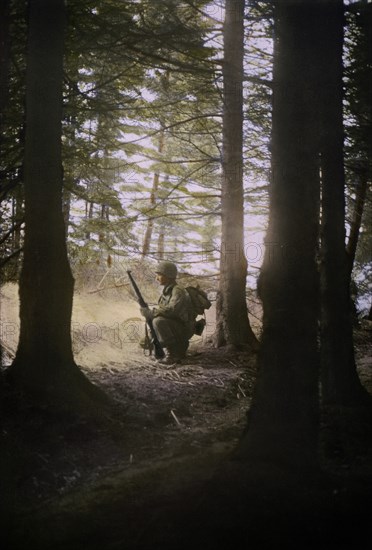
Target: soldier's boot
[{"x": 175, "y": 354}]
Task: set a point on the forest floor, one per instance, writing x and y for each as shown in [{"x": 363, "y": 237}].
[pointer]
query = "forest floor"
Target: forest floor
[{"x": 156, "y": 471}]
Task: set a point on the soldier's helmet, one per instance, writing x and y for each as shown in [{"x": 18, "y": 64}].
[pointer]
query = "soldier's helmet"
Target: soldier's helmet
[{"x": 169, "y": 269}]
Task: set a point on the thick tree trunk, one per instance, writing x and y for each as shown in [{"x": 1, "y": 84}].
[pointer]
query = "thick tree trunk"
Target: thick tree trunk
[
  {"x": 44, "y": 360},
  {"x": 340, "y": 382},
  {"x": 233, "y": 327},
  {"x": 46, "y": 283},
  {"x": 283, "y": 420}
]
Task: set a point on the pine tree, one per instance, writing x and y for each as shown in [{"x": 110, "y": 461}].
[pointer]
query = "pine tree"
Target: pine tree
[
  {"x": 44, "y": 365},
  {"x": 283, "y": 419},
  {"x": 340, "y": 382},
  {"x": 233, "y": 326}
]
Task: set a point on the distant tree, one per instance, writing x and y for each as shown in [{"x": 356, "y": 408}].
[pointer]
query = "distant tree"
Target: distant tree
[
  {"x": 44, "y": 361},
  {"x": 233, "y": 327},
  {"x": 117, "y": 83},
  {"x": 146, "y": 245}
]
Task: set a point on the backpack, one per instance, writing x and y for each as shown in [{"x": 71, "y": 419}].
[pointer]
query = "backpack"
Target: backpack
[{"x": 199, "y": 300}]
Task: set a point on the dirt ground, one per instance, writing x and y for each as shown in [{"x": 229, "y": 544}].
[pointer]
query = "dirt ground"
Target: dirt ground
[{"x": 144, "y": 476}]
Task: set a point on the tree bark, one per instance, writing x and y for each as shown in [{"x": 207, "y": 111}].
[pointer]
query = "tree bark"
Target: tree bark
[
  {"x": 155, "y": 186},
  {"x": 283, "y": 419},
  {"x": 233, "y": 327},
  {"x": 340, "y": 382},
  {"x": 161, "y": 244},
  {"x": 89, "y": 208},
  {"x": 44, "y": 361}
]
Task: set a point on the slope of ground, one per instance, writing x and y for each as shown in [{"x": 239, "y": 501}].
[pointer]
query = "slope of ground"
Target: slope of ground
[{"x": 144, "y": 474}]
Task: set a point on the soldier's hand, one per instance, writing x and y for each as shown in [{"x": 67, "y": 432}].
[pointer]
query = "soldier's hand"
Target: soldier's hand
[{"x": 146, "y": 312}]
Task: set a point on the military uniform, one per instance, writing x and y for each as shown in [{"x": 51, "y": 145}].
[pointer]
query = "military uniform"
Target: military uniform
[{"x": 173, "y": 320}]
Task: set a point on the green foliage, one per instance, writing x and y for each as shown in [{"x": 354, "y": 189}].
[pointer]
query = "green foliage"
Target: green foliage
[
  {"x": 136, "y": 75},
  {"x": 116, "y": 91},
  {"x": 358, "y": 117}
]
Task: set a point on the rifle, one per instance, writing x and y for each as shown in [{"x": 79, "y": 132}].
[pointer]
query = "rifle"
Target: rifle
[{"x": 159, "y": 352}]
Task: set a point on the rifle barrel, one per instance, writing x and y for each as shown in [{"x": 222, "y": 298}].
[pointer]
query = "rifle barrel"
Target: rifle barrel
[{"x": 159, "y": 352}]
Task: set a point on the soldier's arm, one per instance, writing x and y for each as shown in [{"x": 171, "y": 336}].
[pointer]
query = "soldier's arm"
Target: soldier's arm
[{"x": 177, "y": 308}]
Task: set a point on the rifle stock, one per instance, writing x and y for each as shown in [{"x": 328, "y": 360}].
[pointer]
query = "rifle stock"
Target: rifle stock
[{"x": 159, "y": 352}]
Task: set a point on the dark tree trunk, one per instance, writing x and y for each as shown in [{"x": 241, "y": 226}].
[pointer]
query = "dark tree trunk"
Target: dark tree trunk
[
  {"x": 44, "y": 361},
  {"x": 283, "y": 420},
  {"x": 46, "y": 284},
  {"x": 233, "y": 327},
  {"x": 340, "y": 382}
]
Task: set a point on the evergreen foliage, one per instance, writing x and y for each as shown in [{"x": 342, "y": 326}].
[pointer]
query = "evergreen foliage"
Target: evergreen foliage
[
  {"x": 135, "y": 75},
  {"x": 358, "y": 150}
]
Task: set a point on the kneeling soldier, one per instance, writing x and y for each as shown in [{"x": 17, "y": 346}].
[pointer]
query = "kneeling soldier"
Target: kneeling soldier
[{"x": 173, "y": 318}]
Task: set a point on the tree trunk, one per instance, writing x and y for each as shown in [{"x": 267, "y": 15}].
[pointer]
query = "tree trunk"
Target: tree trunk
[
  {"x": 44, "y": 362},
  {"x": 17, "y": 217},
  {"x": 66, "y": 209},
  {"x": 104, "y": 216},
  {"x": 164, "y": 81},
  {"x": 89, "y": 208},
  {"x": 233, "y": 327},
  {"x": 161, "y": 244},
  {"x": 340, "y": 382},
  {"x": 356, "y": 222},
  {"x": 283, "y": 420},
  {"x": 69, "y": 180},
  {"x": 155, "y": 186}
]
